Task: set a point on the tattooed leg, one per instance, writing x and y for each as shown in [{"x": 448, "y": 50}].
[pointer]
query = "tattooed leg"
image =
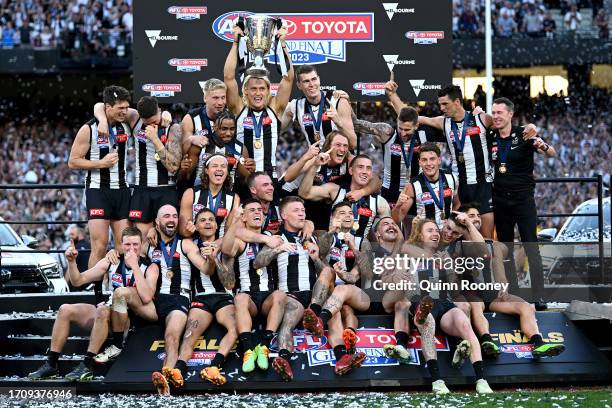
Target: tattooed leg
[
  {"x": 428, "y": 341},
  {"x": 293, "y": 314},
  {"x": 197, "y": 322},
  {"x": 321, "y": 289}
]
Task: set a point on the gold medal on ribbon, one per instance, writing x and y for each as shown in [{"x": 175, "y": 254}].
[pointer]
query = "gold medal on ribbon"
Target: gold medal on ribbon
[
  {"x": 156, "y": 156},
  {"x": 341, "y": 234},
  {"x": 258, "y": 145},
  {"x": 460, "y": 157},
  {"x": 356, "y": 225},
  {"x": 260, "y": 271},
  {"x": 502, "y": 168},
  {"x": 317, "y": 136},
  {"x": 169, "y": 274}
]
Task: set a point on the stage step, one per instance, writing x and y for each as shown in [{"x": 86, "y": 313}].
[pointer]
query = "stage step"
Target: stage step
[
  {"x": 32, "y": 302},
  {"x": 37, "y": 324},
  {"x": 21, "y": 366},
  {"x": 29, "y": 345}
]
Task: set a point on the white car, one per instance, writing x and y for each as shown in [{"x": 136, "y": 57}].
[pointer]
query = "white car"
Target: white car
[
  {"x": 572, "y": 256},
  {"x": 27, "y": 272}
]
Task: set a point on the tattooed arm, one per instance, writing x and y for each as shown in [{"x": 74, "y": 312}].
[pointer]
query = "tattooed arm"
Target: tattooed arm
[
  {"x": 381, "y": 131},
  {"x": 351, "y": 276},
  {"x": 170, "y": 154},
  {"x": 225, "y": 270},
  {"x": 365, "y": 263},
  {"x": 325, "y": 243},
  {"x": 267, "y": 254}
]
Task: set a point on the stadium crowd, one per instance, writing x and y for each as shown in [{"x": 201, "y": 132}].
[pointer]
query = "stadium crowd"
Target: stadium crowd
[
  {"x": 39, "y": 154},
  {"x": 81, "y": 26},
  {"x": 533, "y": 18}
]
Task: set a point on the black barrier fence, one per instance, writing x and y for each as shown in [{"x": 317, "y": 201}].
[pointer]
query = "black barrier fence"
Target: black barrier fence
[{"x": 589, "y": 261}]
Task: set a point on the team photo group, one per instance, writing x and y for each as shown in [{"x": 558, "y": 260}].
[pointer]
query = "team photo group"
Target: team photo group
[{"x": 214, "y": 230}]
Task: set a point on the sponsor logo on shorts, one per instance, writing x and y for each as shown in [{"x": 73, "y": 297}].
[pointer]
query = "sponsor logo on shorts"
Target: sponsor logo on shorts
[
  {"x": 96, "y": 212},
  {"x": 197, "y": 304},
  {"x": 135, "y": 214},
  {"x": 187, "y": 12}
]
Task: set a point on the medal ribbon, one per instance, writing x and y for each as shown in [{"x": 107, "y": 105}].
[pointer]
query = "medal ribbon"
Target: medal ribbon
[
  {"x": 439, "y": 201},
  {"x": 408, "y": 160},
  {"x": 257, "y": 126},
  {"x": 268, "y": 217},
  {"x": 317, "y": 121},
  {"x": 168, "y": 256},
  {"x": 214, "y": 207},
  {"x": 459, "y": 141},
  {"x": 503, "y": 148}
]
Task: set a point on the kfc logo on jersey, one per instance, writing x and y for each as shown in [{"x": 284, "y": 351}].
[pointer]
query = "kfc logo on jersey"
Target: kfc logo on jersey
[
  {"x": 135, "y": 214},
  {"x": 162, "y": 90},
  {"x": 96, "y": 212},
  {"x": 473, "y": 131},
  {"x": 188, "y": 65},
  {"x": 312, "y": 38},
  {"x": 267, "y": 120},
  {"x": 391, "y": 9},
  {"x": 425, "y": 37},
  {"x": 122, "y": 138},
  {"x": 222, "y": 212},
  {"x": 187, "y": 13},
  {"x": 370, "y": 88},
  {"x": 392, "y": 61},
  {"x": 366, "y": 212}
]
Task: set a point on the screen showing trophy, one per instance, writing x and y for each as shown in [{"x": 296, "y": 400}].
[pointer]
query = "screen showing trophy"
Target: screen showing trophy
[{"x": 355, "y": 46}]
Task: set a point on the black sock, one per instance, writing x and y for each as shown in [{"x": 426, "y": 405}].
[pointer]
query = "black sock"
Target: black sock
[
  {"x": 284, "y": 353},
  {"x": 88, "y": 360},
  {"x": 339, "y": 351},
  {"x": 182, "y": 366},
  {"x": 486, "y": 337},
  {"x": 218, "y": 360},
  {"x": 52, "y": 358},
  {"x": 246, "y": 339},
  {"x": 478, "y": 370},
  {"x": 315, "y": 308},
  {"x": 267, "y": 338},
  {"x": 434, "y": 371},
  {"x": 325, "y": 316},
  {"x": 536, "y": 340},
  {"x": 118, "y": 339},
  {"x": 401, "y": 338}
]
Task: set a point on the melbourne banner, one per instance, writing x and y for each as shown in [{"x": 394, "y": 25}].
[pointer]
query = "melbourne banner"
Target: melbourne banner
[{"x": 355, "y": 45}]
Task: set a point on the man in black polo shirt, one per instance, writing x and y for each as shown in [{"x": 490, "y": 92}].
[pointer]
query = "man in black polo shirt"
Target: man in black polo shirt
[{"x": 513, "y": 186}]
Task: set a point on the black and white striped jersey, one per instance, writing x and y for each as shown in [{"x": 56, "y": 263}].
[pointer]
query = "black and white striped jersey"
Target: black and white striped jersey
[
  {"x": 175, "y": 269},
  {"x": 99, "y": 146},
  {"x": 249, "y": 279},
  {"x": 313, "y": 120},
  {"x": 259, "y": 132},
  {"x": 426, "y": 193},
  {"x": 150, "y": 172},
  {"x": 221, "y": 205}
]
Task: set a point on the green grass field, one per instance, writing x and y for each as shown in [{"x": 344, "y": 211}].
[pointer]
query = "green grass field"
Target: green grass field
[{"x": 511, "y": 399}]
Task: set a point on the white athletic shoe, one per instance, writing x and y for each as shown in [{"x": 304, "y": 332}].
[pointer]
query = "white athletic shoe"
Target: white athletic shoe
[
  {"x": 111, "y": 353},
  {"x": 482, "y": 387},
  {"x": 463, "y": 351},
  {"x": 439, "y": 387}
]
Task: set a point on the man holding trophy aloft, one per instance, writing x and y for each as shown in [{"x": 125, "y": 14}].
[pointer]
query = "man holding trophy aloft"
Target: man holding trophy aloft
[{"x": 258, "y": 113}]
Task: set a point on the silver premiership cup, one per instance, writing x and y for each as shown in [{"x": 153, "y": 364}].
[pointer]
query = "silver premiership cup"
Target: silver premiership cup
[{"x": 259, "y": 30}]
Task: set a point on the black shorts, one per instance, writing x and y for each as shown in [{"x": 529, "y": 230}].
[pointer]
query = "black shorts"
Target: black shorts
[
  {"x": 147, "y": 200},
  {"x": 319, "y": 213},
  {"x": 166, "y": 304},
  {"x": 259, "y": 298},
  {"x": 481, "y": 193},
  {"x": 212, "y": 303},
  {"x": 107, "y": 204},
  {"x": 303, "y": 297}
]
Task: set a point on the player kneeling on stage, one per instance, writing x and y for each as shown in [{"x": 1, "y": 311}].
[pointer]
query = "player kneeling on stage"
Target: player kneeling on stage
[{"x": 130, "y": 271}]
